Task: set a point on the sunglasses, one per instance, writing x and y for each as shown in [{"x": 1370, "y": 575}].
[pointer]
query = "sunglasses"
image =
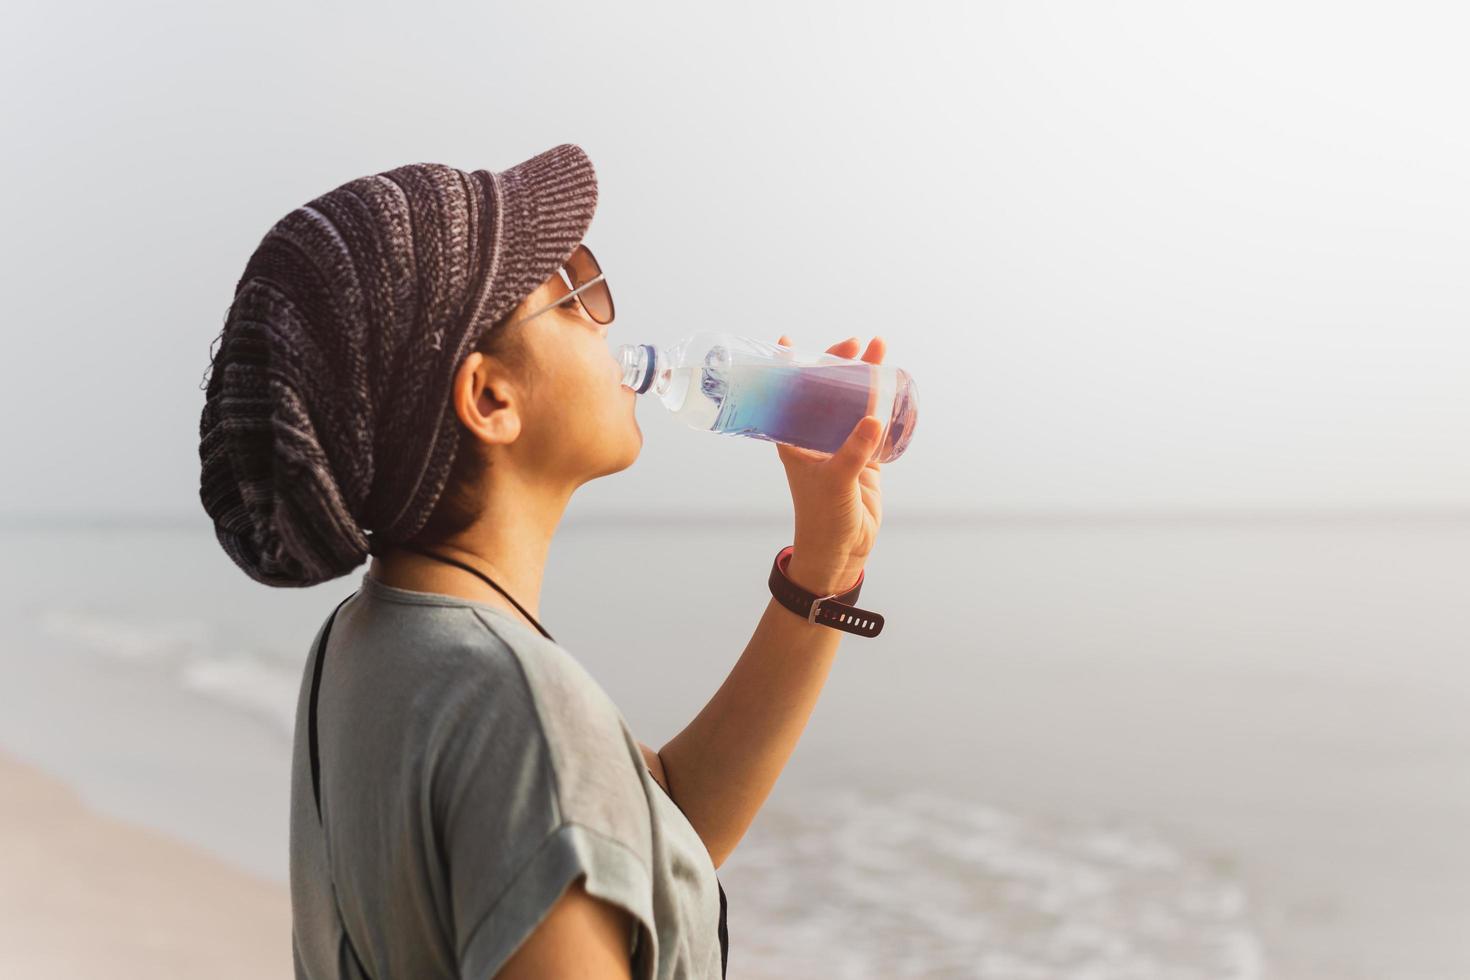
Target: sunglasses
[{"x": 583, "y": 276}]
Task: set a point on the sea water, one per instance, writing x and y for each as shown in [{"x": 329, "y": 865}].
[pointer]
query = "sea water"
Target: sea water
[{"x": 1140, "y": 754}]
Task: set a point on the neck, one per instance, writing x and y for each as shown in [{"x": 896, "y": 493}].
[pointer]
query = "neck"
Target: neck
[{"x": 509, "y": 543}]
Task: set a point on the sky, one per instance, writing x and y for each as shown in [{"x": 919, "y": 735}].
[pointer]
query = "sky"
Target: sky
[{"x": 1136, "y": 256}]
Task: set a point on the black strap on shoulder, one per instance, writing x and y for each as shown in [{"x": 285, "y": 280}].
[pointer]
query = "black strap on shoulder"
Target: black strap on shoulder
[
  {"x": 316, "y": 686},
  {"x": 316, "y": 769},
  {"x": 724, "y": 932}
]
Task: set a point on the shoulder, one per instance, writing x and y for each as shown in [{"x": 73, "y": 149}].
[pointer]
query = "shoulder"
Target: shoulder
[
  {"x": 512, "y": 707},
  {"x": 475, "y": 644},
  {"x": 502, "y": 701},
  {"x": 593, "y": 752},
  {"x": 488, "y": 658}
]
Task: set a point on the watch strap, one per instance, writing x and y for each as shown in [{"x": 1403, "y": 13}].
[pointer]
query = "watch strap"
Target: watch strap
[{"x": 836, "y": 611}]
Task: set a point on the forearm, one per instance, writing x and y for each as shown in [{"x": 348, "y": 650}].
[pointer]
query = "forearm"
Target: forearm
[{"x": 723, "y": 764}]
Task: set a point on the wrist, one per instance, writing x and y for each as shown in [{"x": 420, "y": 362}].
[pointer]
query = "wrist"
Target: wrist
[
  {"x": 809, "y": 589},
  {"x": 823, "y": 578}
]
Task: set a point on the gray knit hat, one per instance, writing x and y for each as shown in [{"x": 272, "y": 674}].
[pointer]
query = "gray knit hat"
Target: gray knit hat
[{"x": 327, "y": 412}]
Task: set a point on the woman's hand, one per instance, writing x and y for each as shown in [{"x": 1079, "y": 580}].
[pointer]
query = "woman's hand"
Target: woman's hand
[{"x": 837, "y": 500}]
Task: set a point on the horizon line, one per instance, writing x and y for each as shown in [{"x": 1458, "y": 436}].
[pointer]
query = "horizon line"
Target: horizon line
[{"x": 714, "y": 519}]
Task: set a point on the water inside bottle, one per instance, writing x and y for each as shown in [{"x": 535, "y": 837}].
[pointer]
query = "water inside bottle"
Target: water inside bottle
[
  {"x": 775, "y": 394},
  {"x": 811, "y": 405}
]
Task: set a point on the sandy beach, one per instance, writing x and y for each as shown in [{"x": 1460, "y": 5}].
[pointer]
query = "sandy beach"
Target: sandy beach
[{"x": 83, "y": 895}]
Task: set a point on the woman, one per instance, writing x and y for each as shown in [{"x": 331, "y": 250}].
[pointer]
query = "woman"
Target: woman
[{"x": 415, "y": 367}]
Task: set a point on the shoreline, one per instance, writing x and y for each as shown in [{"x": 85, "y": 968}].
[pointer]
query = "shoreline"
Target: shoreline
[{"x": 84, "y": 894}]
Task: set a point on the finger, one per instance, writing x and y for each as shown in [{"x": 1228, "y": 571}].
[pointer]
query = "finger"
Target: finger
[
  {"x": 845, "y": 348},
  {"x": 877, "y": 347},
  {"x": 861, "y": 443}
]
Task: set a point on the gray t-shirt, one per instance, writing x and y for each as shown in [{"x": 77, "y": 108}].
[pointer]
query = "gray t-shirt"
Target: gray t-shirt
[{"x": 471, "y": 769}]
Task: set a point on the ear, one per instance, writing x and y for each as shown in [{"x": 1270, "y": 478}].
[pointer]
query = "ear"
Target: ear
[{"x": 487, "y": 400}]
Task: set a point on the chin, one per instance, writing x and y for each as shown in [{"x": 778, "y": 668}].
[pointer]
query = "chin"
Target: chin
[
  {"x": 634, "y": 452},
  {"x": 624, "y": 460},
  {"x": 637, "y": 446}
]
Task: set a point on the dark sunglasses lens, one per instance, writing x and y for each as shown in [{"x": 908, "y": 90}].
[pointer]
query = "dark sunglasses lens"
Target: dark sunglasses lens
[{"x": 596, "y": 299}]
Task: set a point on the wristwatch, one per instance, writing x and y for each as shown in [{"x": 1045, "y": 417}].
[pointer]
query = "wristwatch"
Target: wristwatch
[{"x": 836, "y": 610}]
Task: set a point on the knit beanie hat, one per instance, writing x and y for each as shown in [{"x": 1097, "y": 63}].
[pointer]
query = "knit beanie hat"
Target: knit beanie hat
[{"x": 327, "y": 422}]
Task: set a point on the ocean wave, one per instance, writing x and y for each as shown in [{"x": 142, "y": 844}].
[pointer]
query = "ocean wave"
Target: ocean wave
[
  {"x": 192, "y": 652},
  {"x": 859, "y": 885},
  {"x": 120, "y": 638},
  {"x": 260, "y": 688}
]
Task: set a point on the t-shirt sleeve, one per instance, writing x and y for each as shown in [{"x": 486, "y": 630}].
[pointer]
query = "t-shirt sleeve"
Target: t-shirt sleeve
[{"x": 533, "y": 786}]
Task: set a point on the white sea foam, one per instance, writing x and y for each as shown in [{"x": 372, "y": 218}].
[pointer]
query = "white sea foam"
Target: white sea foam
[
  {"x": 123, "y": 638},
  {"x": 191, "y": 652},
  {"x": 243, "y": 682},
  {"x": 858, "y": 885}
]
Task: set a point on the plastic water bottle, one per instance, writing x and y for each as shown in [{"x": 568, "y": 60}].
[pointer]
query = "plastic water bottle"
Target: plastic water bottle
[{"x": 733, "y": 385}]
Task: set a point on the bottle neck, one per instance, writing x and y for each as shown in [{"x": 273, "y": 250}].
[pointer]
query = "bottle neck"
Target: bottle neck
[{"x": 639, "y": 363}]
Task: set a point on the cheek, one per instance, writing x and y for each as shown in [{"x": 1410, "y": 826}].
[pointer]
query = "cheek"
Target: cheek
[{"x": 602, "y": 368}]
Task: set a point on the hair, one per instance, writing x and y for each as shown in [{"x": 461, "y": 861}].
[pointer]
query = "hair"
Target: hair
[{"x": 463, "y": 500}]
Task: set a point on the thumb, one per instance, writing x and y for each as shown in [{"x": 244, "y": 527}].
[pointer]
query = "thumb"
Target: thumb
[{"x": 860, "y": 444}]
